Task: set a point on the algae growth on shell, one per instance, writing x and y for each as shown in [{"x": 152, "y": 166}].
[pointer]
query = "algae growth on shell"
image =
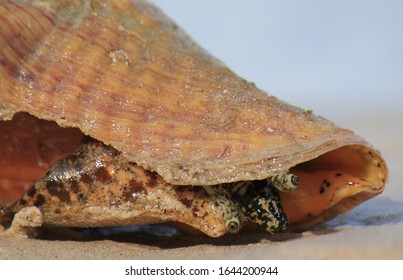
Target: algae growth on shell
[{"x": 126, "y": 75}]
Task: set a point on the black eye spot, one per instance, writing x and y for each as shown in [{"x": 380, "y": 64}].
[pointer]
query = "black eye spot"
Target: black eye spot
[
  {"x": 338, "y": 174},
  {"x": 321, "y": 190}
]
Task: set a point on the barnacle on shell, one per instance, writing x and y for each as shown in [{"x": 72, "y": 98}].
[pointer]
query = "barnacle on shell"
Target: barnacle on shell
[{"x": 126, "y": 75}]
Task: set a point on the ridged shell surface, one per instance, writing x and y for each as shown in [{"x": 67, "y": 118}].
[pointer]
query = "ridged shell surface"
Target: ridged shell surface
[{"x": 125, "y": 74}]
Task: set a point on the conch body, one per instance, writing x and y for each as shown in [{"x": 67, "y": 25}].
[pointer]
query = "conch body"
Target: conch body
[{"x": 124, "y": 74}]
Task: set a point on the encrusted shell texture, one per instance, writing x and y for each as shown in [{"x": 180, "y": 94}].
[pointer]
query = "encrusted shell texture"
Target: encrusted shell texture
[{"x": 123, "y": 73}]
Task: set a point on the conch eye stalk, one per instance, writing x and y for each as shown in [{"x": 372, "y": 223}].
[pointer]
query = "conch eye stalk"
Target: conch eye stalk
[{"x": 111, "y": 115}]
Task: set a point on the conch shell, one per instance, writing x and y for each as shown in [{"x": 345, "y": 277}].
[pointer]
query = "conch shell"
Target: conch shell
[{"x": 126, "y": 75}]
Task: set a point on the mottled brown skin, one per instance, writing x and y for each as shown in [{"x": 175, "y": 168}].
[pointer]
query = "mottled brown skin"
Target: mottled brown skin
[
  {"x": 99, "y": 176},
  {"x": 97, "y": 186}
]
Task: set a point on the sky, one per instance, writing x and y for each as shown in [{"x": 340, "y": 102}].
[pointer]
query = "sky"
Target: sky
[{"x": 334, "y": 57}]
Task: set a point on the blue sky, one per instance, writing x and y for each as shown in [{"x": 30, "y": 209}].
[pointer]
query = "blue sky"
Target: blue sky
[{"x": 320, "y": 55}]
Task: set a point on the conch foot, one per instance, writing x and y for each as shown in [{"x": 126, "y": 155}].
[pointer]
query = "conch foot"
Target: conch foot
[
  {"x": 96, "y": 175},
  {"x": 97, "y": 187}
]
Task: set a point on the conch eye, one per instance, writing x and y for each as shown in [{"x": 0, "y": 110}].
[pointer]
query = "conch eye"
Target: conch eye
[{"x": 233, "y": 226}]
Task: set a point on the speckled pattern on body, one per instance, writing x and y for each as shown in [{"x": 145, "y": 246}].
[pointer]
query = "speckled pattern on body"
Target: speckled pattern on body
[
  {"x": 98, "y": 176},
  {"x": 260, "y": 203},
  {"x": 231, "y": 212},
  {"x": 97, "y": 186},
  {"x": 286, "y": 182},
  {"x": 256, "y": 201}
]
